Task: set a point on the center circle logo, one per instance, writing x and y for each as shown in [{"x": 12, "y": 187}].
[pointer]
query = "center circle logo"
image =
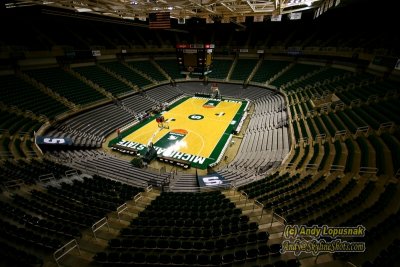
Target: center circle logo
[{"x": 196, "y": 117}]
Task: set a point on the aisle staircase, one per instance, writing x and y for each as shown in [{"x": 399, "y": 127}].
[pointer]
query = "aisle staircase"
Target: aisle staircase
[
  {"x": 228, "y": 77},
  {"x": 144, "y": 75},
  {"x": 160, "y": 69},
  {"x": 106, "y": 229},
  {"x": 276, "y": 76},
  {"x": 119, "y": 77},
  {"x": 47, "y": 91},
  {"x": 89, "y": 82}
]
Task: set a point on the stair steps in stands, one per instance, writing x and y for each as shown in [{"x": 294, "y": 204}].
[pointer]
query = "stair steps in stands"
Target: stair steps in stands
[
  {"x": 89, "y": 82},
  {"x": 262, "y": 217},
  {"x": 47, "y": 91},
  {"x": 160, "y": 69},
  {"x": 140, "y": 73},
  {"x": 119, "y": 77},
  {"x": 276, "y": 76},
  {"x": 89, "y": 245},
  {"x": 228, "y": 77}
]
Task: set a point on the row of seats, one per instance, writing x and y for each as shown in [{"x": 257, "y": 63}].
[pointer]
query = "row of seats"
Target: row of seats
[
  {"x": 156, "y": 239},
  {"x": 66, "y": 85},
  {"x": 17, "y": 92},
  {"x": 29, "y": 172},
  {"x": 124, "y": 71},
  {"x": 242, "y": 256},
  {"x": 41, "y": 220}
]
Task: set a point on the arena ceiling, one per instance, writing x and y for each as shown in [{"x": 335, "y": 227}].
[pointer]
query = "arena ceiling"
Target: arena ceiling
[{"x": 208, "y": 9}]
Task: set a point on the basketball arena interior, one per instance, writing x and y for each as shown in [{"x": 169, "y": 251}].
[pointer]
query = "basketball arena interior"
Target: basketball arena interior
[{"x": 199, "y": 133}]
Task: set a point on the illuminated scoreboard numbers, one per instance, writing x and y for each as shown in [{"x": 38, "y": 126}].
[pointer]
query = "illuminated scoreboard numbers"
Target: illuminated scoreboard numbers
[{"x": 195, "y": 58}]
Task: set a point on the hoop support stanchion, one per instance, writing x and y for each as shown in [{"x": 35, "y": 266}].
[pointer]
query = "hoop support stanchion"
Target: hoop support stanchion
[
  {"x": 98, "y": 225},
  {"x": 65, "y": 250}
]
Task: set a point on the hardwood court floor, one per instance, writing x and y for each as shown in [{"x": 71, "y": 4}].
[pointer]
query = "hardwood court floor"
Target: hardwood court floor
[{"x": 205, "y": 125}]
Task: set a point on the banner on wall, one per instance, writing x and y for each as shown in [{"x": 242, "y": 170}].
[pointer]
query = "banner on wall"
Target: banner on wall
[
  {"x": 96, "y": 53},
  {"x": 276, "y": 18},
  {"x": 48, "y": 140},
  {"x": 259, "y": 18},
  {"x": 295, "y": 16}
]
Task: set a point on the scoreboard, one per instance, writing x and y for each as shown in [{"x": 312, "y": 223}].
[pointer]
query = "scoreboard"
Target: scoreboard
[{"x": 195, "y": 59}]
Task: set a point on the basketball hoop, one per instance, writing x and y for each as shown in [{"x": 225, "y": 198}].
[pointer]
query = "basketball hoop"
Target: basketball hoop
[
  {"x": 190, "y": 69},
  {"x": 165, "y": 125},
  {"x": 215, "y": 91},
  {"x": 162, "y": 123},
  {"x": 214, "y": 86}
]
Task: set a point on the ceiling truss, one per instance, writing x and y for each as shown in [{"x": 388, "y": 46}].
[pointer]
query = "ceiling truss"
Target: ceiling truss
[{"x": 132, "y": 9}]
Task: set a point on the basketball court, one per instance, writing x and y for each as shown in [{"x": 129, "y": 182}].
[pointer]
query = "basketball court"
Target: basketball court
[{"x": 195, "y": 130}]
